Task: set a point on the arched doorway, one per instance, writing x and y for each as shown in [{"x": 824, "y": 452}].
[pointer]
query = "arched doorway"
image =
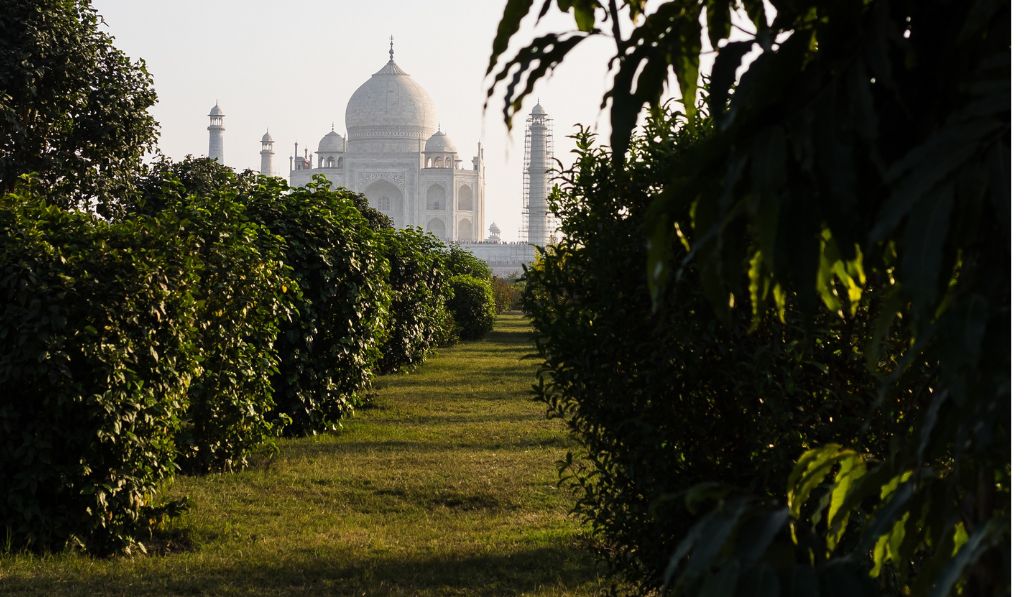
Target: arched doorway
[
  {"x": 465, "y": 198},
  {"x": 465, "y": 229},
  {"x": 387, "y": 198},
  {"x": 436, "y": 227},
  {"x": 435, "y": 197}
]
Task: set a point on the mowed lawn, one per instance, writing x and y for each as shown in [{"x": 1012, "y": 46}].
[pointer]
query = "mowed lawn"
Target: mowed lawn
[{"x": 447, "y": 485}]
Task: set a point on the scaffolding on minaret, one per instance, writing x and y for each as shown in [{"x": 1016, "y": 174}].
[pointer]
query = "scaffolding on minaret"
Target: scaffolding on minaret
[{"x": 538, "y": 226}]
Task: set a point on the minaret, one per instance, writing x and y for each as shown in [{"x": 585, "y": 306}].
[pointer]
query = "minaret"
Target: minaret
[
  {"x": 267, "y": 155},
  {"x": 537, "y": 177},
  {"x": 216, "y": 129}
]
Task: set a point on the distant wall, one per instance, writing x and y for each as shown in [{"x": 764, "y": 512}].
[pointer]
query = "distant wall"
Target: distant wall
[{"x": 503, "y": 258}]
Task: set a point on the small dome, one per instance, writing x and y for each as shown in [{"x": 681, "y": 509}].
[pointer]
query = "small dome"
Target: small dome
[
  {"x": 439, "y": 143},
  {"x": 267, "y": 138},
  {"x": 331, "y": 143},
  {"x": 216, "y": 111},
  {"x": 537, "y": 110}
]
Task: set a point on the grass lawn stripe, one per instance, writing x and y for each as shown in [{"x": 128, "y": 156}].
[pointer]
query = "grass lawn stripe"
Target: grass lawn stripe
[{"x": 445, "y": 486}]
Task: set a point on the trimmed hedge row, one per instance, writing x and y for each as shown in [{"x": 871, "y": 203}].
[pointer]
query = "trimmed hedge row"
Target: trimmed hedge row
[
  {"x": 472, "y": 306},
  {"x": 329, "y": 349},
  {"x": 674, "y": 408},
  {"x": 421, "y": 287},
  {"x": 224, "y": 310},
  {"x": 96, "y": 357}
]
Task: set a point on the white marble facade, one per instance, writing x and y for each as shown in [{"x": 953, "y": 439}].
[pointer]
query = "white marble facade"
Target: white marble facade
[{"x": 396, "y": 154}]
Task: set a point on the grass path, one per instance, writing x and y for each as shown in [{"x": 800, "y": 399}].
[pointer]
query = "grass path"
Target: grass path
[{"x": 446, "y": 486}]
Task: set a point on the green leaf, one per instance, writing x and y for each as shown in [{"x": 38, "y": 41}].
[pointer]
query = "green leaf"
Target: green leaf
[
  {"x": 757, "y": 534},
  {"x": 979, "y": 543},
  {"x": 756, "y": 13},
  {"x": 931, "y": 416},
  {"x": 811, "y": 469},
  {"x": 515, "y": 11},
  {"x": 583, "y": 11},
  {"x": 723, "y": 75},
  {"x": 660, "y": 242},
  {"x": 720, "y": 527},
  {"x": 922, "y": 249},
  {"x": 627, "y": 102},
  {"x": 722, "y": 583},
  {"x": 850, "y": 471},
  {"x": 719, "y": 19},
  {"x": 925, "y": 166}
]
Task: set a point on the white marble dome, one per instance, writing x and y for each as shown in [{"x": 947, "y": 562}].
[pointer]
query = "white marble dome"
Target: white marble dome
[
  {"x": 267, "y": 138},
  {"x": 216, "y": 111},
  {"x": 439, "y": 143},
  {"x": 390, "y": 105},
  {"x": 331, "y": 143}
]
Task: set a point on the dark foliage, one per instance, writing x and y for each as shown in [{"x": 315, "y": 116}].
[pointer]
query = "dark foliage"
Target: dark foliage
[
  {"x": 462, "y": 262},
  {"x": 680, "y": 401},
  {"x": 508, "y": 293},
  {"x": 96, "y": 334},
  {"x": 331, "y": 345},
  {"x": 377, "y": 220},
  {"x": 244, "y": 293},
  {"x": 866, "y": 143},
  {"x": 418, "y": 318},
  {"x": 472, "y": 306},
  {"x": 73, "y": 108}
]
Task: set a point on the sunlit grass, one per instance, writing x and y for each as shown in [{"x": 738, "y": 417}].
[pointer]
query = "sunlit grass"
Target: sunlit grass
[{"x": 445, "y": 486}]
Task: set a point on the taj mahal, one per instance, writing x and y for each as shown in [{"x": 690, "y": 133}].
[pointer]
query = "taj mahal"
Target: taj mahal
[{"x": 396, "y": 154}]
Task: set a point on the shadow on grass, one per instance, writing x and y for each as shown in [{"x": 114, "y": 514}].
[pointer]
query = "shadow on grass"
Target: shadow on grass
[
  {"x": 459, "y": 419},
  {"x": 359, "y": 448},
  {"x": 511, "y": 371},
  {"x": 505, "y": 336},
  {"x": 566, "y": 567}
]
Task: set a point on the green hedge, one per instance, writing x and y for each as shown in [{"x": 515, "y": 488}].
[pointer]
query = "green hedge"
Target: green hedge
[
  {"x": 461, "y": 262},
  {"x": 472, "y": 306},
  {"x": 332, "y": 343},
  {"x": 508, "y": 293},
  {"x": 418, "y": 318},
  {"x": 222, "y": 310},
  {"x": 96, "y": 334},
  {"x": 243, "y": 291},
  {"x": 674, "y": 408}
]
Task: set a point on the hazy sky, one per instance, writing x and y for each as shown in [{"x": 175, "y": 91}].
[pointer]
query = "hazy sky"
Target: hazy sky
[{"x": 291, "y": 67}]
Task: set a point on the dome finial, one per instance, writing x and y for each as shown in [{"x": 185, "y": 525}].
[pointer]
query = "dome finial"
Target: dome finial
[
  {"x": 332, "y": 126},
  {"x": 391, "y": 52}
]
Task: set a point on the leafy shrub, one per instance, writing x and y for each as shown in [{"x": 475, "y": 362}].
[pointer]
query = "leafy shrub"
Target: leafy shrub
[
  {"x": 377, "y": 220},
  {"x": 508, "y": 293},
  {"x": 96, "y": 355},
  {"x": 242, "y": 293},
  {"x": 462, "y": 262},
  {"x": 330, "y": 347},
  {"x": 862, "y": 145},
  {"x": 75, "y": 108},
  {"x": 679, "y": 405},
  {"x": 472, "y": 306},
  {"x": 420, "y": 289}
]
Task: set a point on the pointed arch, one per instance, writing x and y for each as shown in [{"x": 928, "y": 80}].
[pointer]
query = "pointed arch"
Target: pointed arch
[
  {"x": 465, "y": 229},
  {"x": 435, "y": 197},
  {"x": 436, "y": 227},
  {"x": 386, "y": 197},
  {"x": 465, "y": 198}
]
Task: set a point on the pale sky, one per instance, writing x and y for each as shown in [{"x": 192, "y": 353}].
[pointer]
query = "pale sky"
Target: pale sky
[{"x": 291, "y": 67}]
